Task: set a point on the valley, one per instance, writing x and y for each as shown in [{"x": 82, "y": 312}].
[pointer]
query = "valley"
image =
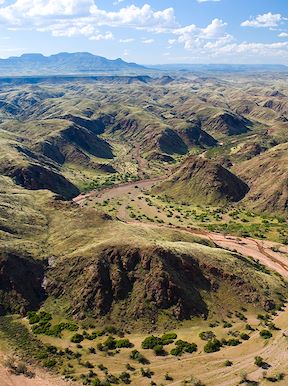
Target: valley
[{"x": 142, "y": 206}]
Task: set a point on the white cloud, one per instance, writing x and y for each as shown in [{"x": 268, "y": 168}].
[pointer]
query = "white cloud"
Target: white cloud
[
  {"x": 148, "y": 41},
  {"x": 128, "y": 40},
  {"x": 283, "y": 35},
  {"x": 267, "y": 20},
  {"x": 49, "y": 14},
  {"x": 194, "y": 37},
  {"x": 106, "y": 36}
]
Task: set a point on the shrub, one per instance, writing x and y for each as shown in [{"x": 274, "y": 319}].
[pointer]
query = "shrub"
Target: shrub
[
  {"x": 125, "y": 377},
  {"x": 244, "y": 336},
  {"x": 169, "y": 336},
  {"x": 146, "y": 373},
  {"x": 123, "y": 343},
  {"x": 158, "y": 350},
  {"x": 233, "y": 342},
  {"x": 207, "y": 335},
  {"x": 212, "y": 346},
  {"x": 88, "y": 365},
  {"x": 33, "y": 317},
  {"x": 258, "y": 361},
  {"x": 168, "y": 377},
  {"x": 137, "y": 356},
  {"x": 228, "y": 363},
  {"x": 265, "y": 334},
  {"x": 49, "y": 363},
  {"x": 150, "y": 342},
  {"x": 77, "y": 338},
  {"x": 129, "y": 367},
  {"x": 177, "y": 351}
]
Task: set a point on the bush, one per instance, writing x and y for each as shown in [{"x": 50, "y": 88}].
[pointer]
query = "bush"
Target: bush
[
  {"x": 77, "y": 338},
  {"x": 266, "y": 334},
  {"x": 244, "y": 336},
  {"x": 150, "y": 342},
  {"x": 123, "y": 343},
  {"x": 228, "y": 363},
  {"x": 146, "y": 373},
  {"x": 49, "y": 363},
  {"x": 233, "y": 342},
  {"x": 258, "y": 361},
  {"x": 125, "y": 377},
  {"x": 168, "y": 377},
  {"x": 207, "y": 335},
  {"x": 137, "y": 356},
  {"x": 212, "y": 346},
  {"x": 177, "y": 351},
  {"x": 182, "y": 347},
  {"x": 168, "y": 338},
  {"x": 158, "y": 350}
]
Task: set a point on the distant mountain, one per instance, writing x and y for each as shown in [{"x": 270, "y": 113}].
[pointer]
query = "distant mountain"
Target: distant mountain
[
  {"x": 221, "y": 67},
  {"x": 64, "y": 64}
]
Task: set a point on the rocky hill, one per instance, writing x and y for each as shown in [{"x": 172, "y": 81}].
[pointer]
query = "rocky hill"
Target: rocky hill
[
  {"x": 203, "y": 181},
  {"x": 267, "y": 177}
]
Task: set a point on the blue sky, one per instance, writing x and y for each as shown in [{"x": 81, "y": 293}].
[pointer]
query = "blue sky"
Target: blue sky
[{"x": 151, "y": 31}]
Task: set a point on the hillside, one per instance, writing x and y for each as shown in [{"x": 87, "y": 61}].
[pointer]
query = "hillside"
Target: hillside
[
  {"x": 267, "y": 177},
  {"x": 203, "y": 181}
]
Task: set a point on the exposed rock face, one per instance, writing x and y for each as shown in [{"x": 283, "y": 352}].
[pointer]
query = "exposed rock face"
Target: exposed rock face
[
  {"x": 148, "y": 280},
  {"x": 196, "y": 136},
  {"x": 227, "y": 123},
  {"x": 170, "y": 142},
  {"x": 34, "y": 177},
  {"x": 204, "y": 181},
  {"x": 20, "y": 283},
  {"x": 267, "y": 176}
]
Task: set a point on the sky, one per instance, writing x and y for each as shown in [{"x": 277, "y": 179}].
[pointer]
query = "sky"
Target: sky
[{"x": 150, "y": 31}]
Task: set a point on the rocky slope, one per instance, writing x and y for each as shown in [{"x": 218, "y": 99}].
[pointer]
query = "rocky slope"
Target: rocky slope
[
  {"x": 267, "y": 177},
  {"x": 203, "y": 181}
]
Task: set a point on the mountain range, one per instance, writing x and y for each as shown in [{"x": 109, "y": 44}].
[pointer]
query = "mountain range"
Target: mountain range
[{"x": 64, "y": 64}]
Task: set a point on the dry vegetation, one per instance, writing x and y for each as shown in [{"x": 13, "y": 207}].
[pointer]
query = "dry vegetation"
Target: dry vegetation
[{"x": 162, "y": 173}]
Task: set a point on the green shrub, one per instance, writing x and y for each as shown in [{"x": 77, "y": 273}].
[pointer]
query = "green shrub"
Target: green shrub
[
  {"x": 123, "y": 343},
  {"x": 125, "y": 377},
  {"x": 207, "y": 335},
  {"x": 233, "y": 342},
  {"x": 244, "y": 336},
  {"x": 228, "y": 363},
  {"x": 137, "y": 356},
  {"x": 77, "y": 338},
  {"x": 212, "y": 346},
  {"x": 158, "y": 350},
  {"x": 49, "y": 363},
  {"x": 146, "y": 373},
  {"x": 150, "y": 342},
  {"x": 258, "y": 361},
  {"x": 266, "y": 334}
]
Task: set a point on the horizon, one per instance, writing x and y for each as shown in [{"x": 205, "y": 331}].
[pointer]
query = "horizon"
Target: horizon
[
  {"x": 148, "y": 32},
  {"x": 142, "y": 64}
]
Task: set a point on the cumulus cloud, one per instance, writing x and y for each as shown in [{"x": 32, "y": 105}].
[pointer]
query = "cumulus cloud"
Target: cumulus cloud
[
  {"x": 267, "y": 20},
  {"x": 194, "y": 37},
  {"x": 283, "y": 35}
]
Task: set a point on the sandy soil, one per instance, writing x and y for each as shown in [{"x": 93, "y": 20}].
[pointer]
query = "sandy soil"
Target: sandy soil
[{"x": 41, "y": 379}]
